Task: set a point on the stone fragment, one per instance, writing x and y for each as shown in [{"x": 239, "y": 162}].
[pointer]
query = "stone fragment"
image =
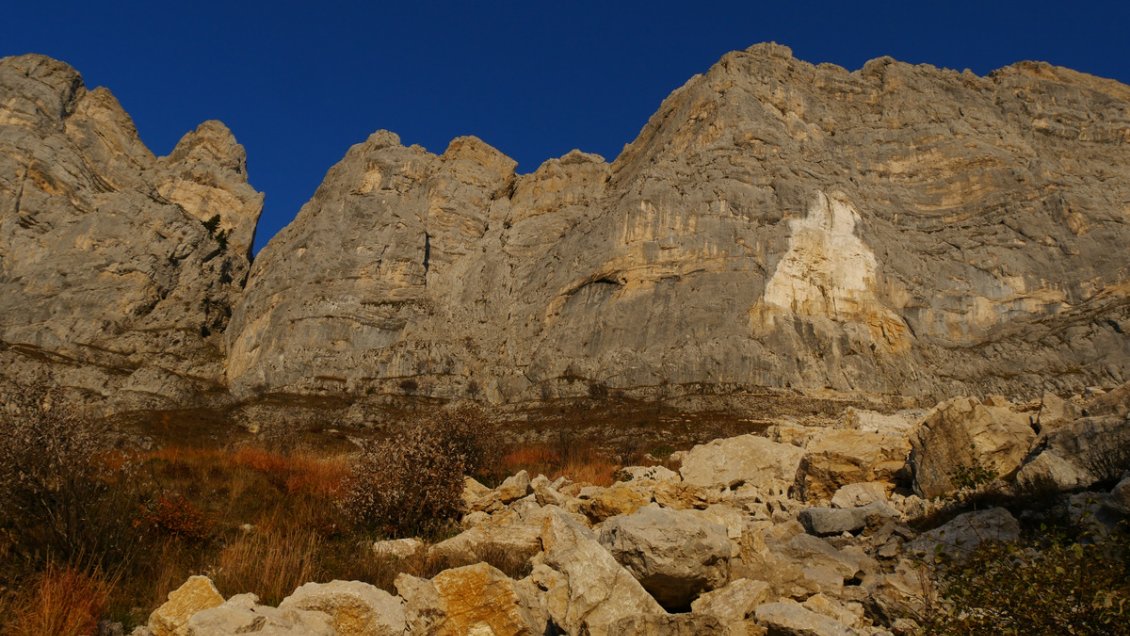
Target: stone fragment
[
  {"x": 822, "y": 521},
  {"x": 355, "y": 608},
  {"x": 621, "y": 498},
  {"x": 397, "y": 548},
  {"x": 196, "y": 594},
  {"x": 675, "y": 554},
  {"x": 646, "y": 473},
  {"x": 860, "y": 494},
  {"x": 668, "y": 625},
  {"x": 514, "y": 487},
  {"x": 733, "y": 603}
]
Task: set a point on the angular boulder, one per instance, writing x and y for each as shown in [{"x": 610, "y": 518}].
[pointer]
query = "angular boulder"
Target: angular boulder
[
  {"x": 355, "y": 608},
  {"x": 586, "y": 590},
  {"x": 739, "y": 461},
  {"x": 242, "y": 614},
  {"x": 196, "y": 594},
  {"x": 675, "y": 554},
  {"x": 961, "y": 440}
]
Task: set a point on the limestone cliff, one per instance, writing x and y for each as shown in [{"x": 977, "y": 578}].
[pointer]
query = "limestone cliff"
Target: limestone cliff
[
  {"x": 898, "y": 229},
  {"x": 893, "y": 230},
  {"x": 110, "y": 280}
]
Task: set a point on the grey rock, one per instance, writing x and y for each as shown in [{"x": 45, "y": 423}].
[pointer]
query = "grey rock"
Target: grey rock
[
  {"x": 965, "y": 532},
  {"x": 1079, "y": 454},
  {"x": 675, "y": 554},
  {"x": 823, "y": 521}
]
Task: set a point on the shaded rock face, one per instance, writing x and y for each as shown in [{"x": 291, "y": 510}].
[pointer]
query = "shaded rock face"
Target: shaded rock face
[
  {"x": 109, "y": 278},
  {"x": 895, "y": 229}
]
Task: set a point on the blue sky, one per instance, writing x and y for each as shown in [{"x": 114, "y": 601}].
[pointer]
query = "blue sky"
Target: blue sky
[{"x": 299, "y": 82}]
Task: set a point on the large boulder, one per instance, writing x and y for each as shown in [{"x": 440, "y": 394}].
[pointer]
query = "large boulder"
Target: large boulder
[
  {"x": 586, "y": 590},
  {"x": 733, "y": 603},
  {"x": 474, "y": 599},
  {"x": 747, "y": 460},
  {"x": 961, "y": 442},
  {"x": 789, "y": 618},
  {"x": 823, "y": 521},
  {"x": 837, "y": 457},
  {"x": 1079, "y": 454},
  {"x": 675, "y": 554},
  {"x": 355, "y": 608}
]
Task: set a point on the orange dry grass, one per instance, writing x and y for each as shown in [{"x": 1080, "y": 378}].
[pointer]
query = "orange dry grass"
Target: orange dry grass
[
  {"x": 580, "y": 463},
  {"x": 296, "y": 472},
  {"x": 64, "y": 600}
]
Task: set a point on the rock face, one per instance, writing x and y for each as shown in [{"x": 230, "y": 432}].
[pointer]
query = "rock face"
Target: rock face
[
  {"x": 110, "y": 280},
  {"x": 896, "y": 229}
]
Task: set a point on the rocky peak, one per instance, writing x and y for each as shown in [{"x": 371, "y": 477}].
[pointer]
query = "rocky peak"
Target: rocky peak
[{"x": 105, "y": 262}]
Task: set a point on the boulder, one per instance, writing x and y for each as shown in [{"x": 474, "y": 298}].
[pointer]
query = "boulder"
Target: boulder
[
  {"x": 861, "y": 494},
  {"x": 1079, "y": 454},
  {"x": 242, "y": 614},
  {"x": 514, "y": 487},
  {"x": 837, "y": 457},
  {"x": 397, "y": 548},
  {"x": 622, "y": 498},
  {"x": 789, "y": 618},
  {"x": 355, "y": 608},
  {"x": 586, "y": 590},
  {"x": 822, "y": 521},
  {"x": 961, "y": 440},
  {"x": 474, "y": 599},
  {"x": 196, "y": 594},
  {"x": 646, "y": 473},
  {"x": 1120, "y": 496},
  {"x": 965, "y": 532},
  {"x": 513, "y": 534},
  {"x": 738, "y": 461},
  {"x": 733, "y": 603},
  {"x": 668, "y": 625},
  {"x": 675, "y": 554}
]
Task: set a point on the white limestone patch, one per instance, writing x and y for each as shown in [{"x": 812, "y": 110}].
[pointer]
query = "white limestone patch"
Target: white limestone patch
[{"x": 828, "y": 273}]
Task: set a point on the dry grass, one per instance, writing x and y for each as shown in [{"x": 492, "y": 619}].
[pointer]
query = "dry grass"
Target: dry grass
[
  {"x": 578, "y": 461},
  {"x": 268, "y": 562},
  {"x": 63, "y": 600}
]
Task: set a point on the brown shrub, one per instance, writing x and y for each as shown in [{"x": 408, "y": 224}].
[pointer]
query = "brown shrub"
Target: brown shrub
[
  {"x": 174, "y": 515},
  {"x": 412, "y": 483},
  {"x": 62, "y": 486}
]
